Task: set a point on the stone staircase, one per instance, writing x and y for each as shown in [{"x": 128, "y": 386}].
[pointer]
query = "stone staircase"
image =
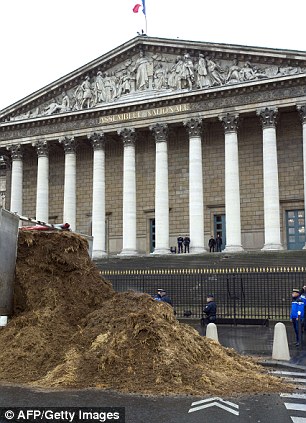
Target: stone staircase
[{"x": 244, "y": 260}]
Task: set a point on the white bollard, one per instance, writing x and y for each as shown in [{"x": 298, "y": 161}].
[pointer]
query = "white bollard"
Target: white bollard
[
  {"x": 280, "y": 343},
  {"x": 212, "y": 332},
  {"x": 3, "y": 320}
]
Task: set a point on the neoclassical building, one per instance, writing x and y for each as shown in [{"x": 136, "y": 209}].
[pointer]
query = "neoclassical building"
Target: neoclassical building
[{"x": 160, "y": 138}]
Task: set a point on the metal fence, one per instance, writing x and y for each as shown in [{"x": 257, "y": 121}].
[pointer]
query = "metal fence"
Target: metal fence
[{"x": 260, "y": 294}]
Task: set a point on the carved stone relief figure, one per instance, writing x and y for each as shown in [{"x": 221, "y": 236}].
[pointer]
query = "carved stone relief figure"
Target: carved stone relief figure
[
  {"x": 234, "y": 73},
  {"x": 187, "y": 72},
  {"x": 99, "y": 88},
  {"x": 247, "y": 73},
  {"x": 55, "y": 107},
  {"x": 108, "y": 84},
  {"x": 174, "y": 72},
  {"x": 83, "y": 95},
  {"x": 202, "y": 77},
  {"x": 214, "y": 72},
  {"x": 87, "y": 98},
  {"x": 289, "y": 70},
  {"x": 160, "y": 79},
  {"x": 124, "y": 84},
  {"x": 141, "y": 70},
  {"x": 114, "y": 84}
]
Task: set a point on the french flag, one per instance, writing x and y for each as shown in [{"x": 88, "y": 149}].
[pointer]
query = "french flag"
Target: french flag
[{"x": 137, "y": 6}]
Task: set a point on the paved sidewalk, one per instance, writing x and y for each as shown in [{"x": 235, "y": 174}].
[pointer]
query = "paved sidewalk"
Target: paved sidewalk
[{"x": 256, "y": 340}]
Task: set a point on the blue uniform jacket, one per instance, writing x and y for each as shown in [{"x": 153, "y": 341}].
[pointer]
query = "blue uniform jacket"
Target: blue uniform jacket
[{"x": 297, "y": 305}]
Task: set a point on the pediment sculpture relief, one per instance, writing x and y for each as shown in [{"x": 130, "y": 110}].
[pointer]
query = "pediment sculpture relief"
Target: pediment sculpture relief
[{"x": 151, "y": 74}]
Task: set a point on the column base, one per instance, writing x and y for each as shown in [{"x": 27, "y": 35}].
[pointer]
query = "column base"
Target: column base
[
  {"x": 233, "y": 249},
  {"x": 161, "y": 251},
  {"x": 272, "y": 247},
  {"x": 197, "y": 250},
  {"x": 128, "y": 252},
  {"x": 98, "y": 254}
]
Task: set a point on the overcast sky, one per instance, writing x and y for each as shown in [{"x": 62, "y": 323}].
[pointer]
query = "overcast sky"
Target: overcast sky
[{"x": 43, "y": 40}]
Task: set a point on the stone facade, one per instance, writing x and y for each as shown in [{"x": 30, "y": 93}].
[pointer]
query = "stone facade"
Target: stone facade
[{"x": 229, "y": 111}]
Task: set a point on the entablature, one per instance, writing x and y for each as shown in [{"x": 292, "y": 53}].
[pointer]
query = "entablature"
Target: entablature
[{"x": 207, "y": 104}]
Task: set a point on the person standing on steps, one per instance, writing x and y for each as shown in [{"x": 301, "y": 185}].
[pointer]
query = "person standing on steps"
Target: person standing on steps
[
  {"x": 211, "y": 244},
  {"x": 218, "y": 243},
  {"x": 180, "y": 241},
  {"x": 186, "y": 244}
]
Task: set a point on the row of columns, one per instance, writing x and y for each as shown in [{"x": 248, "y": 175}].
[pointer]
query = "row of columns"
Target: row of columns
[{"x": 196, "y": 203}]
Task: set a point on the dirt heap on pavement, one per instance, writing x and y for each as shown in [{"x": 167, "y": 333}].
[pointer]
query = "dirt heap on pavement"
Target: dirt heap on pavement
[{"x": 70, "y": 329}]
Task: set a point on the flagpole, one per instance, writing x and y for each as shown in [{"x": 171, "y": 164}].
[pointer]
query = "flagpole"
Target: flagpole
[
  {"x": 144, "y": 10},
  {"x": 146, "y": 24}
]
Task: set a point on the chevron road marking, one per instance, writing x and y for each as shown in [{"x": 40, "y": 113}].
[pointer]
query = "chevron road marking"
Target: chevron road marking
[
  {"x": 298, "y": 419},
  {"x": 216, "y": 401}
]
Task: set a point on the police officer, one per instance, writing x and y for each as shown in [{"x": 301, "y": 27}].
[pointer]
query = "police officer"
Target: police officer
[
  {"x": 180, "y": 241},
  {"x": 211, "y": 244},
  {"x": 210, "y": 309},
  {"x": 297, "y": 312},
  {"x": 162, "y": 296},
  {"x": 218, "y": 243},
  {"x": 186, "y": 244}
]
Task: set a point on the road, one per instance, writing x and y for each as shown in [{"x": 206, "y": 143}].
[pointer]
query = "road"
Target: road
[{"x": 268, "y": 408}]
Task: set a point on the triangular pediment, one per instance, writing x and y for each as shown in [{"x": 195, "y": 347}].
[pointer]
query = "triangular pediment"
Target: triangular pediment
[{"x": 146, "y": 67}]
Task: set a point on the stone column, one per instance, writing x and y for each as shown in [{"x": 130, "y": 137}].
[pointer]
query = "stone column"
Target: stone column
[
  {"x": 17, "y": 178},
  {"x": 129, "y": 192},
  {"x": 232, "y": 189},
  {"x": 42, "y": 191},
  {"x": 268, "y": 118},
  {"x": 69, "y": 214},
  {"x": 98, "y": 195},
  {"x": 302, "y": 112},
  {"x": 196, "y": 202},
  {"x": 4, "y": 166},
  {"x": 160, "y": 131}
]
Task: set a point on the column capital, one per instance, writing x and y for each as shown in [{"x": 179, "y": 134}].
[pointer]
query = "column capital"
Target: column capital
[
  {"x": 193, "y": 127},
  {"x": 16, "y": 151},
  {"x": 268, "y": 116},
  {"x": 301, "y": 108},
  {"x": 128, "y": 136},
  {"x": 4, "y": 162},
  {"x": 41, "y": 148},
  {"x": 69, "y": 144},
  {"x": 97, "y": 140},
  {"x": 229, "y": 122},
  {"x": 160, "y": 131}
]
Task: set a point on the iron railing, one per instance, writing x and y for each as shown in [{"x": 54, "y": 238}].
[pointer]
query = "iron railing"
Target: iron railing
[{"x": 241, "y": 294}]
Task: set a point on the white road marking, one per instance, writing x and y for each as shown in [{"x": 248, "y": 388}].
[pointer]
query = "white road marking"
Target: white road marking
[
  {"x": 295, "y": 406},
  {"x": 212, "y": 402},
  {"x": 217, "y": 404},
  {"x": 215, "y": 399},
  {"x": 294, "y": 380},
  {"x": 297, "y": 396},
  {"x": 279, "y": 372},
  {"x": 298, "y": 419},
  {"x": 299, "y": 380}
]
